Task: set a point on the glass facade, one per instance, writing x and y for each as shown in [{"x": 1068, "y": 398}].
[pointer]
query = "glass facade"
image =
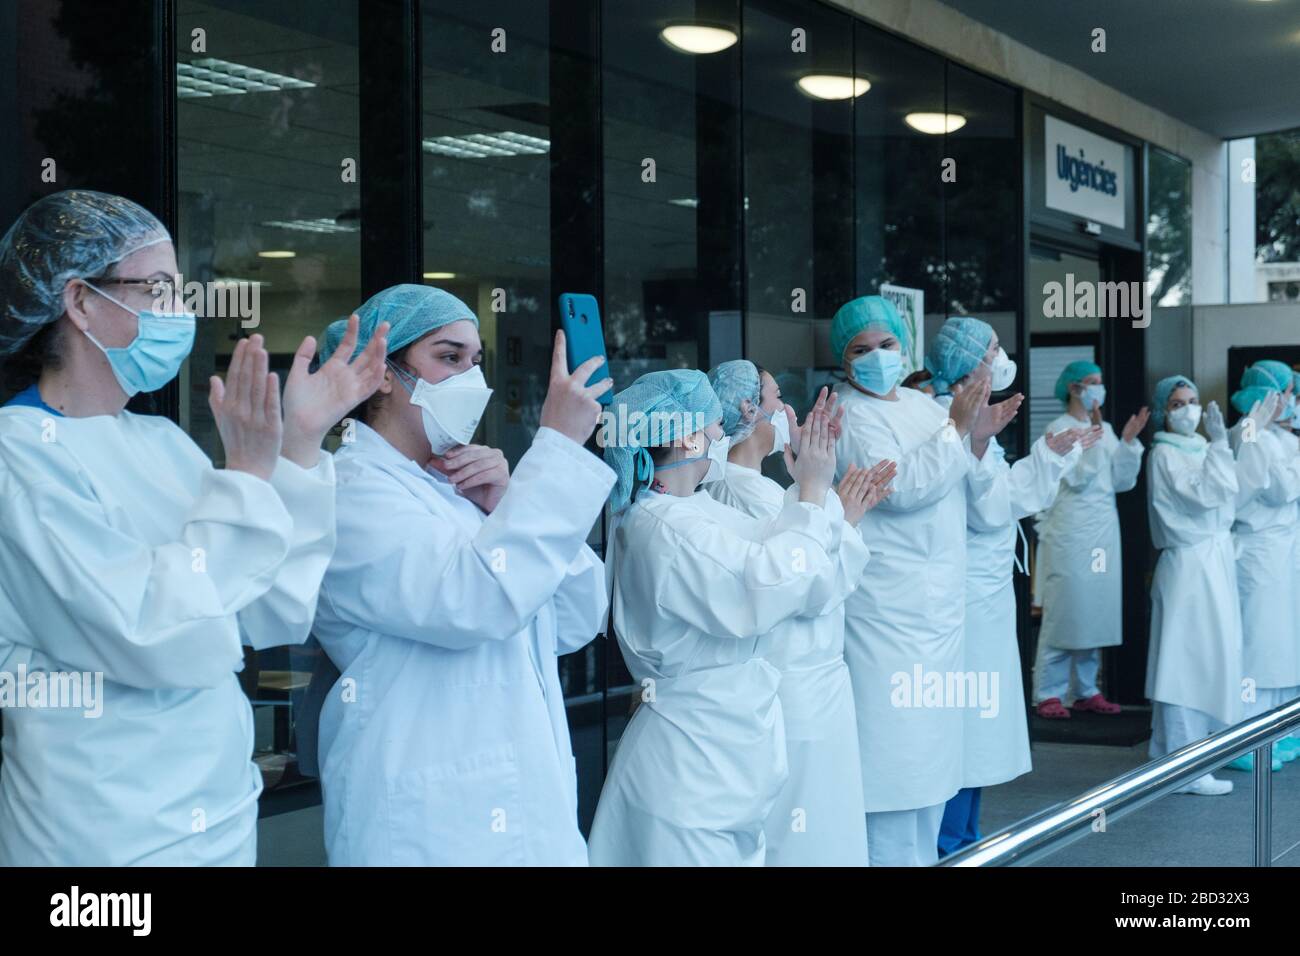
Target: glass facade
[
  {"x": 719, "y": 204},
  {"x": 1169, "y": 228},
  {"x": 268, "y": 214}
]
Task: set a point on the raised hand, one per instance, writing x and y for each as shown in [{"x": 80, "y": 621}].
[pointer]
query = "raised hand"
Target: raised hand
[
  {"x": 1265, "y": 410},
  {"x": 246, "y": 407},
  {"x": 814, "y": 469},
  {"x": 570, "y": 406},
  {"x": 1062, "y": 442},
  {"x": 993, "y": 418},
  {"x": 966, "y": 405},
  {"x": 1089, "y": 436},
  {"x": 1214, "y": 426},
  {"x": 880, "y": 479},
  {"x": 315, "y": 401},
  {"x": 853, "y": 490},
  {"x": 478, "y": 472},
  {"x": 1138, "y": 421}
]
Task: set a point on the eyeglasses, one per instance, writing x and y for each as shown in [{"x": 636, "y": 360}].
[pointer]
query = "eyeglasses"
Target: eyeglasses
[{"x": 164, "y": 289}]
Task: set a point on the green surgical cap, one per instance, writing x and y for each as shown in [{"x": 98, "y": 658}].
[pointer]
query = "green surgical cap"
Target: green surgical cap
[
  {"x": 1269, "y": 373},
  {"x": 868, "y": 313},
  {"x": 656, "y": 409},
  {"x": 411, "y": 311},
  {"x": 1244, "y": 399},
  {"x": 736, "y": 383},
  {"x": 1074, "y": 372},
  {"x": 957, "y": 351},
  {"x": 1164, "y": 388}
]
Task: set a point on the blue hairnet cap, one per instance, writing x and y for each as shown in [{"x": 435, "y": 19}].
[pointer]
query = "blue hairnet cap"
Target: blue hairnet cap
[
  {"x": 957, "y": 351},
  {"x": 656, "y": 409},
  {"x": 1074, "y": 372},
  {"x": 868, "y": 313},
  {"x": 1164, "y": 388},
  {"x": 736, "y": 383},
  {"x": 1243, "y": 400},
  {"x": 1269, "y": 373},
  {"x": 411, "y": 311},
  {"x": 74, "y": 234}
]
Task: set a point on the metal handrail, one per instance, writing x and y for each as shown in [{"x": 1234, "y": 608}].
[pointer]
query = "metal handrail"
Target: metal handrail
[{"x": 1058, "y": 826}]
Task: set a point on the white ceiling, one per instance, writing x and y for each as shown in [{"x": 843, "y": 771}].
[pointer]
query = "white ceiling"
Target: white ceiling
[{"x": 1228, "y": 67}]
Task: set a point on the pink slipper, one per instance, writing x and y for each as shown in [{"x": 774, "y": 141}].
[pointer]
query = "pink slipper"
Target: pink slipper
[
  {"x": 1097, "y": 704},
  {"x": 1053, "y": 709}
]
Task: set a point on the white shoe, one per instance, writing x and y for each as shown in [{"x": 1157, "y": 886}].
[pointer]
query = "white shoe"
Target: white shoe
[{"x": 1207, "y": 786}]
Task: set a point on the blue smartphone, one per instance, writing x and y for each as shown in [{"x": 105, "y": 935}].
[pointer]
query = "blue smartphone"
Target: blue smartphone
[{"x": 583, "y": 336}]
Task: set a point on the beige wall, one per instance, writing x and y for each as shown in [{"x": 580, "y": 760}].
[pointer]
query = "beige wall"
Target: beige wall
[
  {"x": 1215, "y": 329},
  {"x": 973, "y": 44}
]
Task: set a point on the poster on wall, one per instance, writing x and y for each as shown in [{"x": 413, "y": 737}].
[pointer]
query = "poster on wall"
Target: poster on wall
[
  {"x": 910, "y": 304},
  {"x": 1086, "y": 173}
]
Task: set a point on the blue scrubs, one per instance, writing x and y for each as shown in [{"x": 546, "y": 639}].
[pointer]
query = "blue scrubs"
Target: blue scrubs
[
  {"x": 30, "y": 397},
  {"x": 961, "y": 821}
]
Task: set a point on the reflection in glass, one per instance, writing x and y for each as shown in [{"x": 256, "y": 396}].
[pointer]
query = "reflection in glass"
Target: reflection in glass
[
  {"x": 899, "y": 191},
  {"x": 671, "y": 270},
  {"x": 799, "y": 212},
  {"x": 1169, "y": 228},
  {"x": 267, "y": 121}
]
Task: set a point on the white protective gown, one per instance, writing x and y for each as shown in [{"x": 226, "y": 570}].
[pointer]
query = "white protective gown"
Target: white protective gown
[
  {"x": 1265, "y": 534},
  {"x": 696, "y": 586},
  {"x": 1082, "y": 607},
  {"x": 903, "y": 625},
  {"x": 818, "y": 819},
  {"x": 1295, "y": 561},
  {"x": 1194, "y": 660},
  {"x": 997, "y": 742},
  {"x": 445, "y": 740},
  {"x": 123, "y": 552}
]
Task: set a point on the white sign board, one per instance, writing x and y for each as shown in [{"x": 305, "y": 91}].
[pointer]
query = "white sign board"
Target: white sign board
[
  {"x": 910, "y": 304},
  {"x": 1086, "y": 174}
]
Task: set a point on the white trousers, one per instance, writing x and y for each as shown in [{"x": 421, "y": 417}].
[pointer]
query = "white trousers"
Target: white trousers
[
  {"x": 904, "y": 837},
  {"x": 1174, "y": 727},
  {"x": 1052, "y": 673}
]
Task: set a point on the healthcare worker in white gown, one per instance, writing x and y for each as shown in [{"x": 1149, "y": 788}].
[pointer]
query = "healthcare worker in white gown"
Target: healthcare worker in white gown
[
  {"x": 697, "y": 587},
  {"x": 904, "y": 625},
  {"x": 1265, "y": 532},
  {"x": 963, "y": 355},
  {"x": 1079, "y": 552},
  {"x": 1194, "y": 663},
  {"x": 818, "y": 819},
  {"x": 125, "y": 556},
  {"x": 1290, "y": 745},
  {"x": 454, "y": 587}
]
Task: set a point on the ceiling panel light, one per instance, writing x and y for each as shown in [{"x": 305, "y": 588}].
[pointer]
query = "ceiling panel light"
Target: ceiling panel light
[
  {"x": 311, "y": 225},
  {"x": 696, "y": 38},
  {"x": 935, "y": 123},
  {"x": 440, "y": 275},
  {"x": 484, "y": 145},
  {"x": 212, "y": 77},
  {"x": 833, "y": 86},
  {"x": 277, "y": 254}
]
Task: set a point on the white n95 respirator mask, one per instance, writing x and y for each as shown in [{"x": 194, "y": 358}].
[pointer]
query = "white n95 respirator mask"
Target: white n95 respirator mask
[
  {"x": 781, "y": 427},
  {"x": 450, "y": 409}
]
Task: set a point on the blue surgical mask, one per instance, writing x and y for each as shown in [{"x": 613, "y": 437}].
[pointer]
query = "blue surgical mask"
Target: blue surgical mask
[
  {"x": 1094, "y": 396},
  {"x": 161, "y": 345},
  {"x": 1288, "y": 410},
  {"x": 878, "y": 371}
]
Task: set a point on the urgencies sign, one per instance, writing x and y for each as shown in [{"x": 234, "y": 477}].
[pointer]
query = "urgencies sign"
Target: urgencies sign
[{"x": 1085, "y": 173}]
